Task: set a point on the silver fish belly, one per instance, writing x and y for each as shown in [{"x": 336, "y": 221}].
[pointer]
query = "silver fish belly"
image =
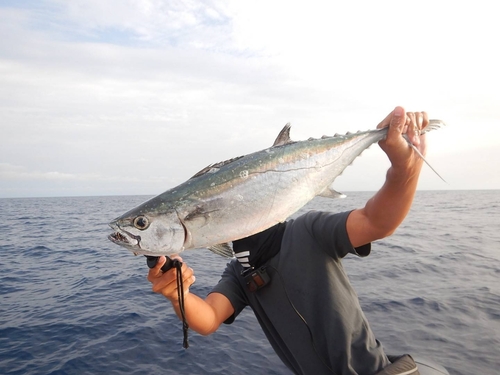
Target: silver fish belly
[{"x": 242, "y": 196}]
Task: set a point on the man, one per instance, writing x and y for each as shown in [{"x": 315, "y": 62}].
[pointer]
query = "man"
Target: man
[{"x": 308, "y": 310}]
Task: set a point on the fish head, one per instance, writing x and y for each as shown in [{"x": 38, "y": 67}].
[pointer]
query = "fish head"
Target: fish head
[{"x": 149, "y": 233}]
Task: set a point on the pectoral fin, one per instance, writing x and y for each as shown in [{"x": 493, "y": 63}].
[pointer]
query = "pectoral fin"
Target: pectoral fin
[
  {"x": 223, "y": 249},
  {"x": 329, "y": 192}
]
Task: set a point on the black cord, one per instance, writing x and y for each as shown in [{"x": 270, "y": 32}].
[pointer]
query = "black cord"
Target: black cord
[
  {"x": 303, "y": 319},
  {"x": 174, "y": 263},
  {"x": 180, "y": 295}
]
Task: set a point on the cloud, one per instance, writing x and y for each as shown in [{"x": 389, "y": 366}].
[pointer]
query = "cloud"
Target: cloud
[
  {"x": 21, "y": 173},
  {"x": 21, "y": 181},
  {"x": 157, "y": 23},
  {"x": 16, "y": 172},
  {"x": 140, "y": 95}
]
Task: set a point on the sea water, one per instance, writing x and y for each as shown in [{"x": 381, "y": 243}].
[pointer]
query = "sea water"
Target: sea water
[{"x": 71, "y": 302}]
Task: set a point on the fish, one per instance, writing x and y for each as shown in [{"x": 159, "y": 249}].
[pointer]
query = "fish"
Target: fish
[{"x": 242, "y": 196}]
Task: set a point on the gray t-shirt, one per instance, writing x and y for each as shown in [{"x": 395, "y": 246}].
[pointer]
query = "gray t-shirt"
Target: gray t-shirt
[{"x": 309, "y": 311}]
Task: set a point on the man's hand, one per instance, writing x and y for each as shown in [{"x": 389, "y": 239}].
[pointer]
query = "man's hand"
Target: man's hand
[
  {"x": 395, "y": 146},
  {"x": 202, "y": 316},
  {"x": 166, "y": 283}
]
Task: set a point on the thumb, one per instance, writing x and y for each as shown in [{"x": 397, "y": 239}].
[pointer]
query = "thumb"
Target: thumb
[{"x": 398, "y": 121}]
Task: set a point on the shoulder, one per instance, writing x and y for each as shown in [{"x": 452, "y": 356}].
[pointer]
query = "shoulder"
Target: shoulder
[
  {"x": 327, "y": 230},
  {"x": 232, "y": 268},
  {"x": 318, "y": 229},
  {"x": 318, "y": 221}
]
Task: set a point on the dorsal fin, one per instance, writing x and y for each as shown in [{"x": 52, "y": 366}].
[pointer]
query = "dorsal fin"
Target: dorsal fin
[
  {"x": 283, "y": 137},
  {"x": 214, "y": 167}
]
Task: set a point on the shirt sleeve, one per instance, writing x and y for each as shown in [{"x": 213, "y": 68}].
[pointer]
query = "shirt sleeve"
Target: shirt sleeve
[
  {"x": 330, "y": 231},
  {"x": 230, "y": 287}
]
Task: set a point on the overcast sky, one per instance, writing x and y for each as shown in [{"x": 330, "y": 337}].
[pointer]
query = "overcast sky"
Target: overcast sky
[{"x": 135, "y": 96}]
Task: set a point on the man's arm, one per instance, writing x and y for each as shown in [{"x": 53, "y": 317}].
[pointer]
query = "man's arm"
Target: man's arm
[
  {"x": 386, "y": 210},
  {"x": 203, "y": 316}
]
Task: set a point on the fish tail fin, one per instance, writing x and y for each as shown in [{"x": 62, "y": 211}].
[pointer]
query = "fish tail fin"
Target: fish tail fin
[{"x": 433, "y": 125}]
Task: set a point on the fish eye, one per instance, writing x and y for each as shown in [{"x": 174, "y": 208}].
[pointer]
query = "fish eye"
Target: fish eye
[{"x": 141, "y": 222}]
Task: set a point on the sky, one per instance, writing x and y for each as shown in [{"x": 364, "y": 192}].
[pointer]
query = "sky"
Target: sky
[{"x": 126, "y": 97}]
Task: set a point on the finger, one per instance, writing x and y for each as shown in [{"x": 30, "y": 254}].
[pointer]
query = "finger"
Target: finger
[
  {"x": 397, "y": 123},
  {"x": 385, "y": 122},
  {"x": 176, "y": 256},
  {"x": 165, "y": 284},
  {"x": 413, "y": 128},
  {"x": 159, "y": 264},
  {"x": 407, "y": 123},
  {"x": 186, "y": 270},
  {"x": 156, "y": 272},
  {"x": 425, "y": 120},
  {"x": 188, "y": 278},
  {"x": 419, "y": 118},
  {"x": 184, "y": 266}
]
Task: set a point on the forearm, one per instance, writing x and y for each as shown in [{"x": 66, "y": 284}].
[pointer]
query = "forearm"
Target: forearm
[
  {"x": 203, "y": 316},
  {"x": 387, "y": 209},
  {"x": 200, "y": 315}
]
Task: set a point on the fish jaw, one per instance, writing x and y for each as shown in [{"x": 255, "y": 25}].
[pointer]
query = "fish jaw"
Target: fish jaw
[
  {"x": 164, "y": 234},
  {"x": 122, "y": 238}
]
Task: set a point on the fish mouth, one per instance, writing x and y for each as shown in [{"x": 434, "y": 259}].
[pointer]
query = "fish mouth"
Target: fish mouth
[
  {"x": 123, "y": 238},
  {"x": 130, "y": 242},
  {"x": 119, "y": 238}
]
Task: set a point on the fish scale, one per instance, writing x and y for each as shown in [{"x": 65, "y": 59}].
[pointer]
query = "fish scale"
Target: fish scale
[{"x": 242, "y": 196}]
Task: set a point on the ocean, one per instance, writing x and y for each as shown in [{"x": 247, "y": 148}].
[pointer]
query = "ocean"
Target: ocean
[{"x": 74, "y": 303}]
